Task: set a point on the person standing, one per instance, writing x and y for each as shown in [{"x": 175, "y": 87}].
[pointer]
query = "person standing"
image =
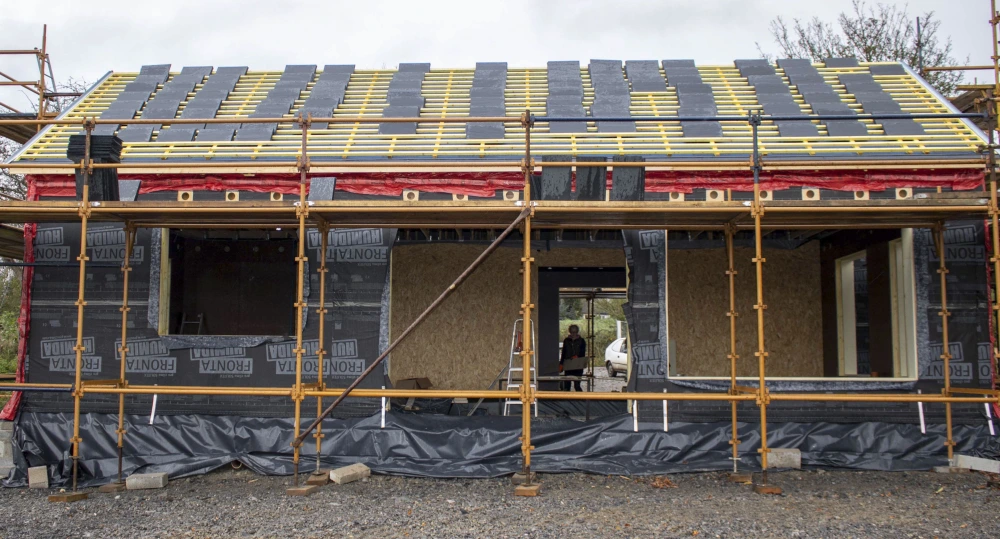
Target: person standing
[{"x": 574, "y": 357}]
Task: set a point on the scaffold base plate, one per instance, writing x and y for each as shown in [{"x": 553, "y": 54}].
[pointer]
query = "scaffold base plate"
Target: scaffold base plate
[
  {"x": 519, "y": 479},
  {"x": 301, "y": 491},
  {"x": 111, "y": 488},
  {"x": 67, "y": 497},
  {"x": 744, "y": 478},
  {"x": 319, "y": 478},
  {"x": 761, "y": 488},
  {"x": 528, "y": 490}
]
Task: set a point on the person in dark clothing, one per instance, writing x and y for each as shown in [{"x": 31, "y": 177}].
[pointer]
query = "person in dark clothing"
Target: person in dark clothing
[{"x": 574, "y": 357}]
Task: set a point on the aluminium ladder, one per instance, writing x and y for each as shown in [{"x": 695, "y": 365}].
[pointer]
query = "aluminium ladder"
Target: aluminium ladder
[{"x": 514, "y": 365}]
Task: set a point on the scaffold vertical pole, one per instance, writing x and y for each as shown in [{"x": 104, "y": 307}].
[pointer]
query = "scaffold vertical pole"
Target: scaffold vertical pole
[
  {"x": 42, "y": 54},
  {"x": 324, "y": 231},
  {"x": 84, "y": 213},
  {"x": 757, "y": 209},
  {"x": 733, "y": 356},
  {"x": 123, "y": 350},
  {"x": 993, "y": 110},
  {"x": 301, "y": 212},
  {"x": 527, "y": 391},
  {"x": 945, "y": 343}
]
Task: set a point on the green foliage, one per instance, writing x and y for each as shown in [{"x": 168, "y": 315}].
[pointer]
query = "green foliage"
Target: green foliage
[
  {"x": 610, "y": 307},
  {"x": 8, "y": 341},
  {"x": 571, "y": 308},
  {"x": 10, "y": 306}
]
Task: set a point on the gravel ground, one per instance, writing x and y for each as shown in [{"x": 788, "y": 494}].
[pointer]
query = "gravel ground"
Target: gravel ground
[
  {"x": 603, "y": 383},
  {"x": 232, "y": 503}
]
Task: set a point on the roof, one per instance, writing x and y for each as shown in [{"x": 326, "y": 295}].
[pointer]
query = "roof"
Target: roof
[
  {"x": 602, "y": 89},
  {"x": 18, "y": 133},
  {"x": 974, "y": 98},
  {"x": 11, "y": 242}
]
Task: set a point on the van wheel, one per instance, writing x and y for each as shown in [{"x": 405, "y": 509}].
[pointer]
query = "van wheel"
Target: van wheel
[{"x": 611, "y": 370}]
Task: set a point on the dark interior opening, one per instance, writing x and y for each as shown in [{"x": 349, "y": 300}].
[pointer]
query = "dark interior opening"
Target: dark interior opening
[
  {"x": 872, "y": 300},
  {"x": 550, "y": 280},
  {"x": 232, "y": 283}
]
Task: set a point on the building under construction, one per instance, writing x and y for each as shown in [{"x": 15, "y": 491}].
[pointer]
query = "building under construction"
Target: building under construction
[{"x": 270, "y": 267}]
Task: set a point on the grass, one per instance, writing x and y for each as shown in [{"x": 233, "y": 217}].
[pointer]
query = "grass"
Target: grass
[
  {"x": 8, "y": 348},
  {"x": 8, "y": 365},
  {"x": 604, "y": 333}
]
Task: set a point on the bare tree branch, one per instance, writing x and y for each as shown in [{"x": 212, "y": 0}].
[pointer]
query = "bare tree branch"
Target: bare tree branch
[{"x": 871, "y": 33}]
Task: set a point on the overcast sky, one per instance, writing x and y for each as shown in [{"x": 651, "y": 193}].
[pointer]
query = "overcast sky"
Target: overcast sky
[{"x": 86, "y": 39}]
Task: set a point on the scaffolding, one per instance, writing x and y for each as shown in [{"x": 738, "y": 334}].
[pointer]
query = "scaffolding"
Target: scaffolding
[
  {"x": 528, "y": 215},
  {"x": 44, "y": 89},
  {"x": 726, "y": 215}
]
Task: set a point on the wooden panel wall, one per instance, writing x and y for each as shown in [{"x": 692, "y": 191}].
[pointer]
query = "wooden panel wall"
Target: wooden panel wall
[
  {"x": 466, "y": 341},
  {"x": 699, "y": 299}
]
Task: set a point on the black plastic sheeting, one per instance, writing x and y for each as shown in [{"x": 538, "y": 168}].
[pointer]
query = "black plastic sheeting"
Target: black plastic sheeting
[
  {"x": 426, "y": 445},
  {"x": 356, "y": 321}
]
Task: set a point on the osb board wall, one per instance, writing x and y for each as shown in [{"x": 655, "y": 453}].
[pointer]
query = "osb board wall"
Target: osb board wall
[
  {"x": 698, "y": 299},
  {"x": 466, "y": 341}
]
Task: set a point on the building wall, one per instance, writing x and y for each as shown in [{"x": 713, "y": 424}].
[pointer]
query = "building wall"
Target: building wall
[
  {"x": 466, "y": 341},
  {"x": 698, "y": 299}
]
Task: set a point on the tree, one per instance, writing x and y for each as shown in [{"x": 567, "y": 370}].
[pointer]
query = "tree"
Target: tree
[
  {"x": 871, "y": 33},
  {"x": 571, "y": 308},
  {"x": 610, "y": 307},
  {"x": 12, "y": 186}
]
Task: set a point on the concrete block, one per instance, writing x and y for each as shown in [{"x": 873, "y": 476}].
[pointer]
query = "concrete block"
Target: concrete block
[
  {"x": 38, "y": 477},
  {"x": 143, "y": 481},
  {"x": 977, "y": 463},
  {"x": 350, "y": 473},
  {"x": 785, "y": 458},
  {"x": 950, "y": 469}
]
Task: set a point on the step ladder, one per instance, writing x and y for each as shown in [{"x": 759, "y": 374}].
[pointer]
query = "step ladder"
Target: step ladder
[
  {"x": 515, "y": 370},
  {"x": 196, "y": 321}
]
